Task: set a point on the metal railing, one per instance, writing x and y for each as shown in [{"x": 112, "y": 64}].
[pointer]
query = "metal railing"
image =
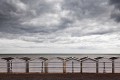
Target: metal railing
[{"x": 64, "y": 66}]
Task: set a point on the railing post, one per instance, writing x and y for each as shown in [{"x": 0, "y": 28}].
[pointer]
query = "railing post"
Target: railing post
[
  {"x": 113, "y": 66},
  {"x": 104, "y": 67},
  {"x": 81, "y": 66},
  {"x": 9, "y": 64},
  {"x": 113, "y": 63},
  {"x": 26, "y": 59},
  {"x": 64, "y": 66},
  {"x": 72, "y": 67},
  {"x": 27, "y": 66},
  {"x": 46, "y": 67},
  {"x": 97, "y": 63},
  {"x": 42, "y": 67},
  {"x": 97, "y": 66}
]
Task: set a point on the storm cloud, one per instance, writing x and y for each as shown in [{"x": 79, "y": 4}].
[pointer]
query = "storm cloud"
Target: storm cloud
[{"x": 76, "y": 24}]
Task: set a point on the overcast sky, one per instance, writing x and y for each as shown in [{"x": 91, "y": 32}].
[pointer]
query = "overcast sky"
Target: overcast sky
[{"x": 59, "y": 26}]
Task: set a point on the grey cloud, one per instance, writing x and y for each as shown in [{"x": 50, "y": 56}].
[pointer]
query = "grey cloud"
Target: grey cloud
[
  {"x": 64, "y": 23},
  {"x": 5, "y": 14},
  {"x": 7, "y": 20},
  {"x": 39, "y": 6},
  {"x": 116, "y": 3},
  {"x": 115, "y": 16},
  {"x": 85, "y": 8},
  {"x": 116, "y": 12},
  {"x": 82, "y": 33},
  {"x": 12, "y": 17}
]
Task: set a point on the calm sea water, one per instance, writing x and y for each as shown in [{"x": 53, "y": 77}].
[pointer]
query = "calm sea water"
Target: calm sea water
[{"x": 60, "y": 55}]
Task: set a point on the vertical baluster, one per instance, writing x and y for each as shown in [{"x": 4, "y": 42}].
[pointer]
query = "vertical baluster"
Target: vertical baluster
[
  {"x": 9, "y": 66},
  {"x": 97, "y": 63},
  {"x": 46, "y": 67},
  {"x": 97, "y": 66},
  {"x": 26, "y": 59},
  {"x": 113, "y": 66},
  {"x": 104, "y": 71},
  {"x": 27, "y": 66},
  {"x": 72, "y": 67},
  {"x": 81, "y": 66},
  {"x": 42, "y": 67},
  {"x": 113, "y": 63},
  {"x": 64, "y": 66}
]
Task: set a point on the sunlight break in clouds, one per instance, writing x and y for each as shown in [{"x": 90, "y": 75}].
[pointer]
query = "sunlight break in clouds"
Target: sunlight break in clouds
[{"x": 59, "y": 26}]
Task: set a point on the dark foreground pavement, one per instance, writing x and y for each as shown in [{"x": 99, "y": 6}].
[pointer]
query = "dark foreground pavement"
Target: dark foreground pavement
[{"x": 58, "y": 76}]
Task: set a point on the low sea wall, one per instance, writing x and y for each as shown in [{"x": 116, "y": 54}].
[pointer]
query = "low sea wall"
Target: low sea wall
[{"x": 58, "y": 76}]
